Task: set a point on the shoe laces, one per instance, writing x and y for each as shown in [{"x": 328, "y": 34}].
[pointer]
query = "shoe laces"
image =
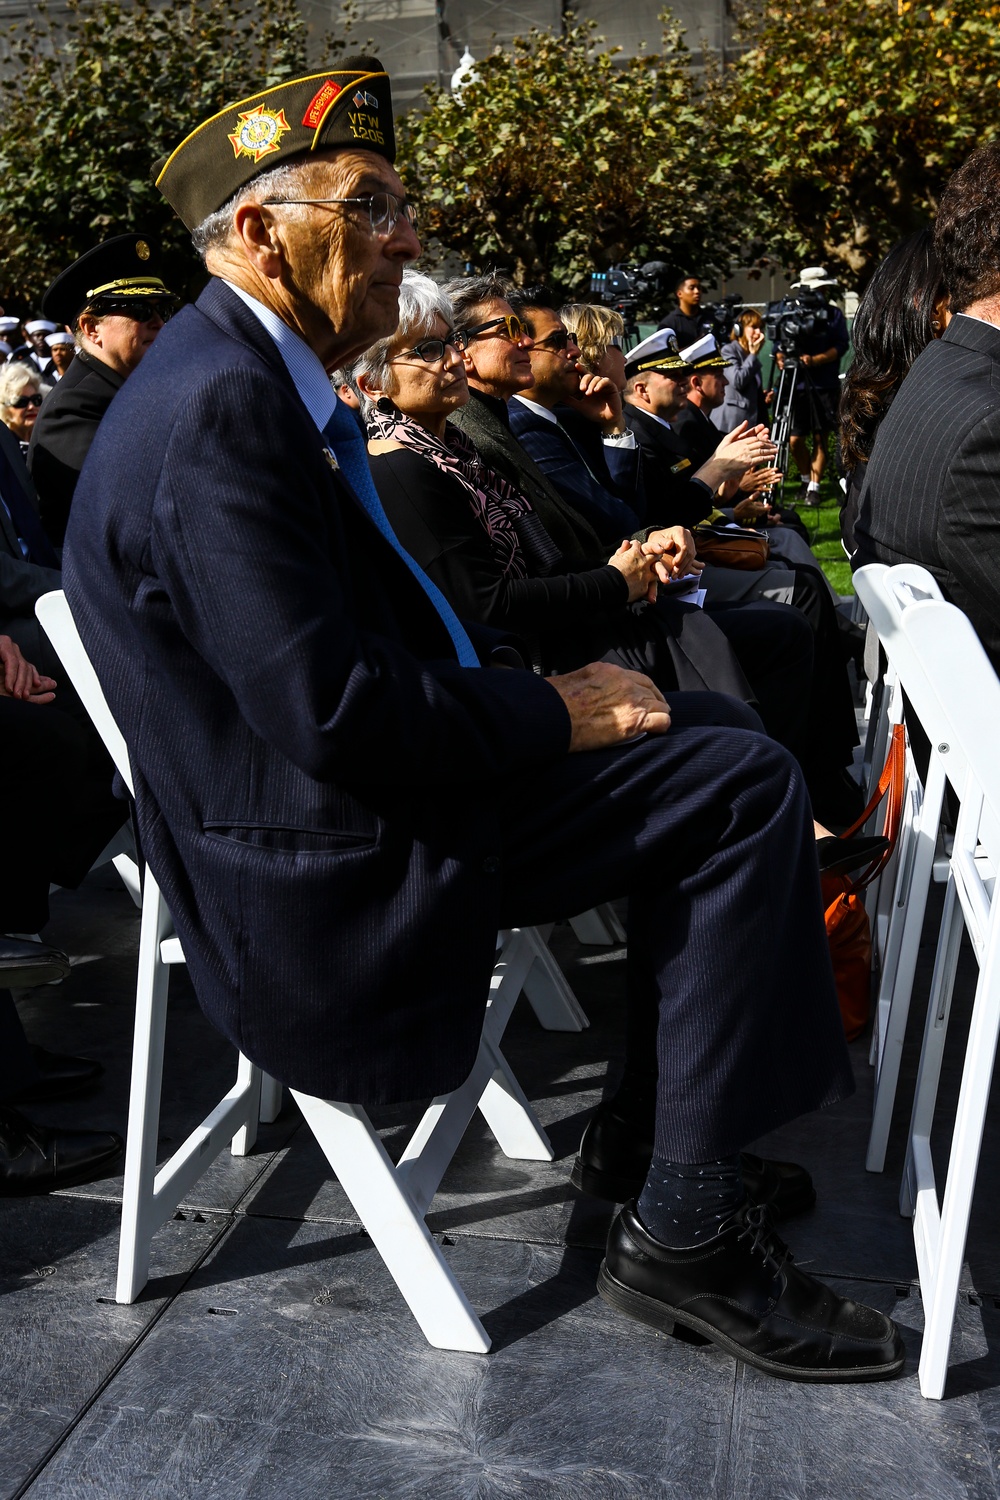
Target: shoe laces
[{"x": 757, "y": 1223}]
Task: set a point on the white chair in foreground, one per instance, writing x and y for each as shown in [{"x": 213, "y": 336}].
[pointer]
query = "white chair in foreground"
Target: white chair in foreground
[
  {"x": 391, "y": 1201},
  {"x": 959, "y": 707},
  {"x": 886, "y": 594}
]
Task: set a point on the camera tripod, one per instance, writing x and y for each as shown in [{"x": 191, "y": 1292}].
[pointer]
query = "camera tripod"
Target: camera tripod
[{"x": 781, "y": 417}]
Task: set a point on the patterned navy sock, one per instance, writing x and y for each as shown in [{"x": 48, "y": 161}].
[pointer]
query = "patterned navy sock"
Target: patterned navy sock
[{"x": 684, "y": 1203}]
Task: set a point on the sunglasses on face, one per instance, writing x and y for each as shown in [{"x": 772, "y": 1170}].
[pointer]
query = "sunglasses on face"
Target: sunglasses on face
[
  {"x": 432, "y": 351},
  {"x": 508, "y": 327},
  {"x": 556, "y": 343},
  {"x": 23, "y": 402}
]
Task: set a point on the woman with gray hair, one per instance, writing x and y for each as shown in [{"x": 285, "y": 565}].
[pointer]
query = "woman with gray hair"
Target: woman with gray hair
[
  {"x": 481, "y": 541},
  {"x": 21, "y": 394}
]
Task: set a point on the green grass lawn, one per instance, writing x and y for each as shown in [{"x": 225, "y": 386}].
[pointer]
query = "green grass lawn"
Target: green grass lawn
[{"x": 823, "y": 525}]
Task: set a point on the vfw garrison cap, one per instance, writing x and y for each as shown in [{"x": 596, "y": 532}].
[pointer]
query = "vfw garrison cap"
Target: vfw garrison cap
[
  {"x": 705, "y": 355},
  {"x": 350, "y": 105},
  {"x": 658, "y": 352},
  {"x": 108, "y": 278}
]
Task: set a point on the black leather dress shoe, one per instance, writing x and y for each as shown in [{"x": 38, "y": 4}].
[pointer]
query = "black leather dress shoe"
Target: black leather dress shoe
[
  {"x": 35, "y": 1159},
  {"x": 614, "y": 1158},
  {"x": 742, "y": 1291},
  {"x": 23, "y": 965},
  {"x": 58, "y": 1076}
]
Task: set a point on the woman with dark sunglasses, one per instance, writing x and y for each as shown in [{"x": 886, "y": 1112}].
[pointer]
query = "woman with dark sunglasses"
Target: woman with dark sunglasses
[{"x": 21, "y": 394}]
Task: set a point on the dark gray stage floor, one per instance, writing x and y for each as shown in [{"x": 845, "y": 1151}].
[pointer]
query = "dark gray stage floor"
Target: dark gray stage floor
[{"x": 272, "y": 1357}]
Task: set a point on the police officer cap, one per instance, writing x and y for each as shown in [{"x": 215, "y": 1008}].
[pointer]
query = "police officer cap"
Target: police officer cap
[
  {"x": 350, "y": 105},
  {"x": 705, "y": 355},
  {"x": 111, "y": 278},
  {"x": 658, "y": 352}
]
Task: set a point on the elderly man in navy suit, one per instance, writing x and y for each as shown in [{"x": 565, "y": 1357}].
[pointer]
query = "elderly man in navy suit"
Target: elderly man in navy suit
[{"x": 342, "y": 800}]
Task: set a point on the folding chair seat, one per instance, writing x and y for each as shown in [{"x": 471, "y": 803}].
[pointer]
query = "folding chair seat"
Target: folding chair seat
[
  {"x": 391, "y": 1200},
  {"x": 902, "y": 899}
]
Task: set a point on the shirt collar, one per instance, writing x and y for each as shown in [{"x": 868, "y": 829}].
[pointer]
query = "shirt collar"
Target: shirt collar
[
  {"x": 307, "y": 374},
  {"x": 542, "y": 411}
]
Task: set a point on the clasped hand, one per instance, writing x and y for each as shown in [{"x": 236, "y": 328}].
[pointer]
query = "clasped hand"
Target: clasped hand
[{"x": 20, "y": 678}]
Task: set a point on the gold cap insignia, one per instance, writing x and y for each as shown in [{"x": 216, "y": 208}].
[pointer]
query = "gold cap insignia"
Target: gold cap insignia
[
  {"x": 258, "y": 132},
  {"x": 142, "y": 249}
]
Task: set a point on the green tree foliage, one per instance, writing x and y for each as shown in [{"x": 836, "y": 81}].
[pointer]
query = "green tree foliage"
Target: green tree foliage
[
  {"x": 558, "y": 156},
  {"x": 847, "y": 117},
  {"x": 89, "y": 107}
]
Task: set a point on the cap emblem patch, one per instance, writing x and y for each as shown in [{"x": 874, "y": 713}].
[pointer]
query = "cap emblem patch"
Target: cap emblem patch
[
  {"x": 319, "y": 103},
  {"x": 362, "y": 97},
  {"x": 258, "y": 132},
  {"x": 142, "y": 249}
]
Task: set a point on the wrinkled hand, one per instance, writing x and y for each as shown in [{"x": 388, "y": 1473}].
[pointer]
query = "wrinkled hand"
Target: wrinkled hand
[
  {"x": 20, "y": 679},
  {"x": 600, "y": 401},
  {"x": 638, "y": 570},
  {"x": 608, "y": 704},
  {"x": 674, "y": 550}
]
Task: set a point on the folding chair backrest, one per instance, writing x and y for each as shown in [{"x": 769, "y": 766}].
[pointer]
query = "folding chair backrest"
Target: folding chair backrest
[{"x": 54, "y": 616}]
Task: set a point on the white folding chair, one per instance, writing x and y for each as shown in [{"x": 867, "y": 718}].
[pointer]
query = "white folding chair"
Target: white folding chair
[
  {"x": 391, "y": 1201},
  {"x": 959, "y": 706},
  {"x": 887, "y": 594}
]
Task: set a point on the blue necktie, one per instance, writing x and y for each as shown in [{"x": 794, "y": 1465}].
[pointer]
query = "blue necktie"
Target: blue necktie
[
  {"x": 348, "y": 445},
  {"x": 24, "y": 517}
]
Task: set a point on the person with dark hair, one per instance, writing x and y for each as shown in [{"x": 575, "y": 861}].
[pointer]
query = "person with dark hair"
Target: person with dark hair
[
  {"x": 684, "y": 320},
  {"x": 904, "y": 307},
  {"x": 931, "y": 484},
  {"x": 745, "y": 399}
]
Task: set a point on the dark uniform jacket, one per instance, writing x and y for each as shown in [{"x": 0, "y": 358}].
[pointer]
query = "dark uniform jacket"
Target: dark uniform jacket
[
  {"x": 931, "y": 492},
  {"x": 21, "y": 581},
  {"x": 697, "y": 433},
  {"x": 63, "y": 434},
  {"x": 673, "y": 496},
  {"x": 315, "y": 772}
]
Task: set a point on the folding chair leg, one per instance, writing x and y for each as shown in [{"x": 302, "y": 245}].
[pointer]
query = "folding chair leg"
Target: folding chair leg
[
  {"x": 547, "y": 990},
  {"x": 271, "y": 1096},
  {"x": 900, "y": 966},
  {"x": 248, "y": 1076},
  {"x": 935, "y": 1034},
  {"x": 411, "y": 1255},
  {"x": 507, "y": 1111},
  {"x": 963, "y": 1164},
  {"x": 138, "y": 1214},
  {"x": 598, "y": 927}
]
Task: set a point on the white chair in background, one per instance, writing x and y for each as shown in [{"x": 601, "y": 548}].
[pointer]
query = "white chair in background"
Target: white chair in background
[
  {"x": 886, "y": 594},
  {"x": 391, "y": 1200},
  {"x": 958, "y": 691}
]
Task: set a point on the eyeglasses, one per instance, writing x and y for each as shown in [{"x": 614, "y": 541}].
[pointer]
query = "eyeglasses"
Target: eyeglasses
[
  {"x": 24, "y": 401},
  {"x": 431, "y": 351},
  {"x": 513, "y": 328},
  {"x": 556, "y": 342},
  {"x": 384, "y": 209}
]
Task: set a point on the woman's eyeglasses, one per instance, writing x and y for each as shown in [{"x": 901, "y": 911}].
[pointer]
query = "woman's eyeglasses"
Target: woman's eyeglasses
[
  {"x": 432, "y": 351},
  {"x": 25, "y": 401},
  {"x": 513, "y": 328}
]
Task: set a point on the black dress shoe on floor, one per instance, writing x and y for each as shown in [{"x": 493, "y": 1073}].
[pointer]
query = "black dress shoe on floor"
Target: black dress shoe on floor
[
  {"x": 614, "y": 1158},
  {"x": 35, "y": 1159},
  {"x": 742, "y": 1291},
  {"x": 58, "y": 1076},
  {"x": 23, "y": 964}
]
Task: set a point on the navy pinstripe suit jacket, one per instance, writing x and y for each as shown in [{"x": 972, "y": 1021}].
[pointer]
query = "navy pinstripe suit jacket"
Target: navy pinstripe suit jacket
[
  {"x": 932, "y": 488},
  {"x": 312, "y": 766}
]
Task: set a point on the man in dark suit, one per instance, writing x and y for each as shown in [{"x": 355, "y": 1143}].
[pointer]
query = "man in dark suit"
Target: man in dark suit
[
  {"x": 117, "y": 305},
  {"x": 342, "y": 806},
  {"x": 930, "y": 493}
]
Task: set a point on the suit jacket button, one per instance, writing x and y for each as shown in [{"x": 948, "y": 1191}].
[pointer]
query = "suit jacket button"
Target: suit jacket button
[{"x": 491, "y": 864}]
